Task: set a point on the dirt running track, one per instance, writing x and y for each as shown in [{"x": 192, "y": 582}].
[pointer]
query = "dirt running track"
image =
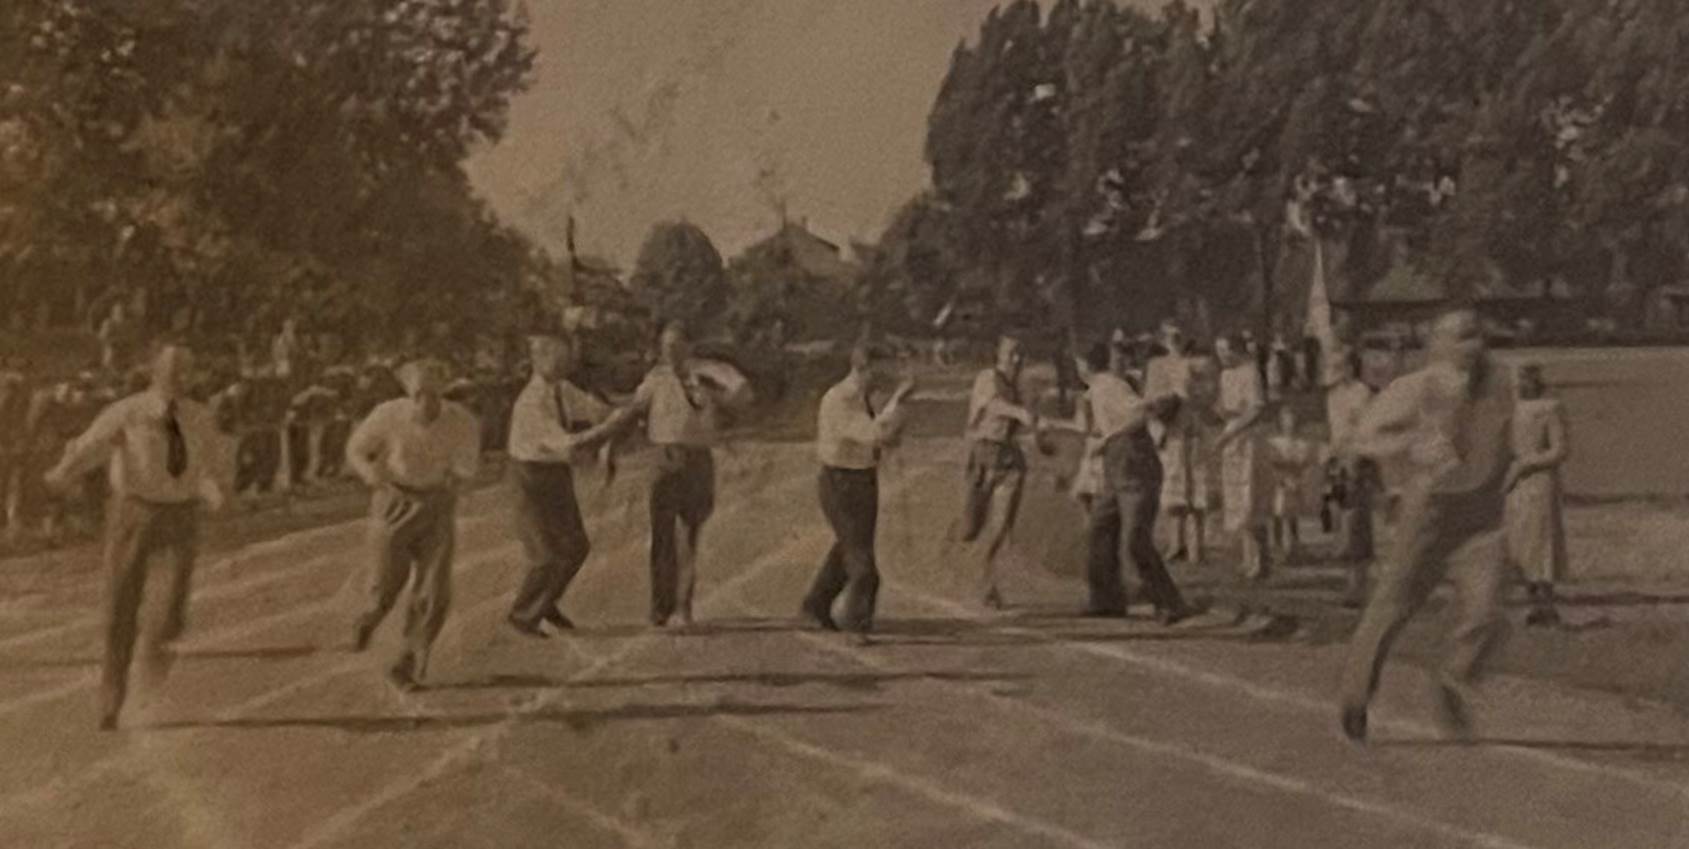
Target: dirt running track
[{"x": 1028, "y": 730}]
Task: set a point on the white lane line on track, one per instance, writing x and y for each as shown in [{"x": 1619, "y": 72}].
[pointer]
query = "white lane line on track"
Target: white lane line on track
[
  {"x": 344, "y": 820},
  {"x": 1298, "y": 701},
  {"x": 871, "y": 770},
  {"x": 347, "y": 818},
  {"x": 629, "y": 835},
  {"x": 1214, "y": 763},
  {"x": 112, "y": 762}
]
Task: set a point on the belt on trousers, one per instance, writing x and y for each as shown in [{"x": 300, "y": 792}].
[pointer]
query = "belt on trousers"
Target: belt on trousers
[
  {"x": 159, "y": 505},
  {"x": 419, "y": 492}
]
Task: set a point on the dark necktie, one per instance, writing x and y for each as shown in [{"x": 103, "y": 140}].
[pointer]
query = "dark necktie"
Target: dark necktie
[
  {"x": 557, "y": 401},
  {"x": 868, "y": 407},
  {"x": 176, "y": 460}
]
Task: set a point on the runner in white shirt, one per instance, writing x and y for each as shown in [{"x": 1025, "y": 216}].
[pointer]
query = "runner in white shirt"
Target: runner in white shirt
[
  {"x": 415, "y": 454},
  {"x": 851, "y": 437}
]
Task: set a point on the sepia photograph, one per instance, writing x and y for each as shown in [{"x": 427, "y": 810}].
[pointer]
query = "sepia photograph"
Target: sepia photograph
[{"x": 844, "y": 424}]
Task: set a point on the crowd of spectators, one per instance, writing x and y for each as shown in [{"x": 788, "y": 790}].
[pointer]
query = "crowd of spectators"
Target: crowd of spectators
[{"x": 286, "y": 413}]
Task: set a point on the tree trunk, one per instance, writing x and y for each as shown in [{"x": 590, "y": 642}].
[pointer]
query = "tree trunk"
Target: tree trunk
[{"x": 1266, "y": 256}]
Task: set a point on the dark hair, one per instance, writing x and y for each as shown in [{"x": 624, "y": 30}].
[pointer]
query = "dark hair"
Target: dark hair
[
  {"x": 1097, "y": 356},
  {"x": 865, "y": 353}
]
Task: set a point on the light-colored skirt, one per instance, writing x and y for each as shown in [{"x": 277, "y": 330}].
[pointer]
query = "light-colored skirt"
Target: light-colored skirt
[
  {"x": 1246, "y": 501},
  {"x": 1536, "y": 528},
  {"x": 1177, "y": 482}
]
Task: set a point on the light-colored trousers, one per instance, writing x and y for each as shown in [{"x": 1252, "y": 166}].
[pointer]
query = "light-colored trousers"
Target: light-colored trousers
[
  {"x": 412, "y": 538},
  {"x": 1457, "y": 538}
]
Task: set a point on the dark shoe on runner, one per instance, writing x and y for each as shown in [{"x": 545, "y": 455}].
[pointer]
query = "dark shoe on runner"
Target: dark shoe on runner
[
  {"x": 402, "y": 677},
  {"x": 1354, "y": 724},
  {"x": 813, "y": 615},
  {"x": 525, "y": 627},
  {"x": 361, "y": 635},
  {"x": 558, "y": 620}
]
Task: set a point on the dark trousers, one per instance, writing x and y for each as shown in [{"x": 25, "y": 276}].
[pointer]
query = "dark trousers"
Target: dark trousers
[
  {"x": 554, "y": 540},
  {"x": 412, "y": 537},
  {"x": 682, "y": 499},
  {"x": 850, "y": 499},
  {"x": 1122, "y": 527},
  {"x": 135, "y": 531}
]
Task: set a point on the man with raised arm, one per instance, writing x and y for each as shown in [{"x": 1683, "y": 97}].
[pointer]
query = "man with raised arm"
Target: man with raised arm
[{"x": 851, "y": 437}]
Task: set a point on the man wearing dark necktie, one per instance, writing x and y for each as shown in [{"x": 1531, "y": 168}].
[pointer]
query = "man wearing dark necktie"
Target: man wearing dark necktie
[
  {"x": 545, "y": 438},
  {"x": 159, "y": 446},
  {"x": 849, "y": 442}
]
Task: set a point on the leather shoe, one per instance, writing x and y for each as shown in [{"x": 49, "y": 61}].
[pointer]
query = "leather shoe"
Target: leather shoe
[
  {"x": 556, "y": 619},
  {"x": 1354, "y": 724},
  {"x": 814, "y": 615},
  {"x": 525, "y": 627}
]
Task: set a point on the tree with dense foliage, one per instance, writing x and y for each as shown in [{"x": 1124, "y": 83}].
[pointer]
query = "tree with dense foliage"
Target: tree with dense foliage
[
  {"x": 1104, "y": 164},
  {"x": 679, "y": 275},
  {"x": 214, "y": 160}
]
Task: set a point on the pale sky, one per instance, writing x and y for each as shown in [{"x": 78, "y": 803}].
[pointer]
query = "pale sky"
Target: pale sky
[{"x": 647, "y": 110}]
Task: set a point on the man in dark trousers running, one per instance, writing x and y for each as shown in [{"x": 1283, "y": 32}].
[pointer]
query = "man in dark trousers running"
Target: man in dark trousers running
[
  {"x": 681, "y": 401},
  {"x": 545, "y": 428},
  {"x": 851, "y": 438}
]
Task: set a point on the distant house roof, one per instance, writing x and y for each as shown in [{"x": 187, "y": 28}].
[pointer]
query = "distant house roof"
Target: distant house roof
[{"x": 795, "y": 244}]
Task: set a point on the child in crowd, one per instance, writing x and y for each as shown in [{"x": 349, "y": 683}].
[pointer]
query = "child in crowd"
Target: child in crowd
[{"x": 1291, "y": 458}]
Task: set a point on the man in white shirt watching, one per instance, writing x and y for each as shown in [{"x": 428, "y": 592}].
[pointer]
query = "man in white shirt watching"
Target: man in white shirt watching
[
  {"x": 546, "y": 429},
  {"x": 415, "y": 453},
  {"x": 851, "y": 437},
  {"x": 160, "y": 448}
]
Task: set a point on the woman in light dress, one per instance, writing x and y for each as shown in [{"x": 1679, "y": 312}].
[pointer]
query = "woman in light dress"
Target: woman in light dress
[
  {"x": 1291, "y": 459},
  {"x": 1246, "y": 501},
  {"x": 1203, "y": 490},
  {"x": 1536, "y": 527}
]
